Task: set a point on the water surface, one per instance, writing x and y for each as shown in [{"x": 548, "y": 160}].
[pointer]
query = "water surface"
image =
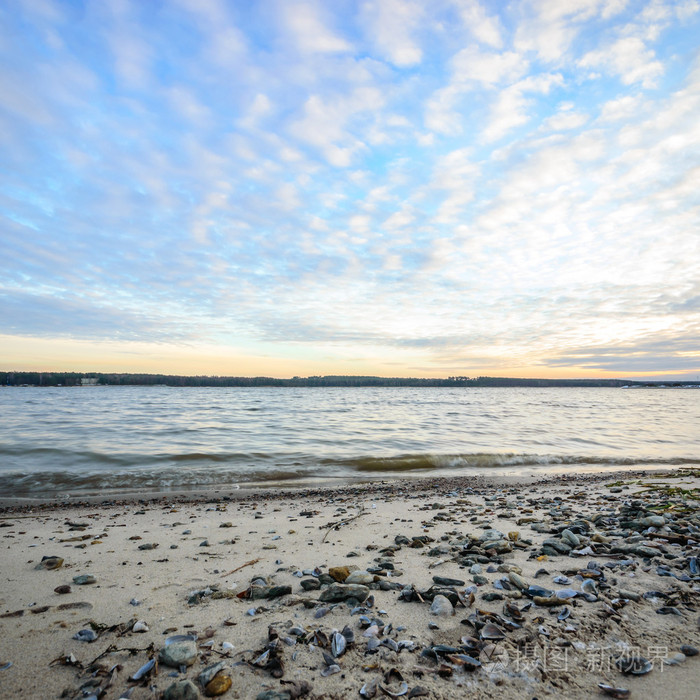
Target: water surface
[{"x": 55, "y": 441}]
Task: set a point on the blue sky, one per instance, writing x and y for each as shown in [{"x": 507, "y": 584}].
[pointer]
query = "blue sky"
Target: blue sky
[{"x": 383, "y": 187}]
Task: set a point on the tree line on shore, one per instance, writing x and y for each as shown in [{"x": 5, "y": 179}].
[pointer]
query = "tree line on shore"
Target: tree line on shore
[{"x": 128, "y": 379}]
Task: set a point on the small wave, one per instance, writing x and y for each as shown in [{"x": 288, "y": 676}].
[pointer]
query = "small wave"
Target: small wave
[
  {"x": 486, "y": 461},
  {"x": 202, "y": 470}
]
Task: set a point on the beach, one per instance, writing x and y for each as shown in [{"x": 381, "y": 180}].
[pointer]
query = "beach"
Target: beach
[{"x": 435, "y": 588}]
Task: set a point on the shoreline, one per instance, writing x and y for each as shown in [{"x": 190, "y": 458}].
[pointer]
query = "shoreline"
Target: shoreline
[
  {"x": 294, "y": 488},
  {"x": 259, "y": 580}
]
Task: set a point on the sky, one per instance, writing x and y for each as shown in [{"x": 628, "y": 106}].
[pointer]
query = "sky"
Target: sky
[{"x": 379, "y": 187}]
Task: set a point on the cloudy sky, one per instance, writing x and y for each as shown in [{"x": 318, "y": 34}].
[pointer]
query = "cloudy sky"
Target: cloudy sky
[{"x": 392, "y": 187}]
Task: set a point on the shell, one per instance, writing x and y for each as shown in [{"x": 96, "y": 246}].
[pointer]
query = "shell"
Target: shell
[
  {"x": 614, "y": 692},
  {"x": 588, "y": 586},
  {"x": 636, "y": 665},
  {"x": 491, "y": 631},
  {"x": 338, "y": 644},
  {"x": 403, "y": 689},
  {"x": 180, "y": 638},
  {"x": 369, "y": 690},
  {"x": 143, "y": 670}
]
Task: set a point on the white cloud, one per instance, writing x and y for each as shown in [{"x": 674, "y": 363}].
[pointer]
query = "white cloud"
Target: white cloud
[
  {"x": 490, "y": 68},
  {"x": 628, "y": 58},
  {"x": 311, "y": 34},
  {"x": 391, "y": 25},
  {"x": 325, "y": 121},
  {"x": 549, "y": 28},
  {"x": 510, "y": 108},
  {"x": 565, "y": 121},
  {"x": 185, "y": 104},
  {"x": 485, "y": 28},
  {"x": 621, "y": 108},
  {"x": 470, "y": 67}
]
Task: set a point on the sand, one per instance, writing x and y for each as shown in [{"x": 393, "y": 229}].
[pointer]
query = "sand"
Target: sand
[{"x": 223, "y": 541}]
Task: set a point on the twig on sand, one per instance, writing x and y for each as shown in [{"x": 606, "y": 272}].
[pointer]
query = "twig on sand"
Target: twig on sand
[
  {"x": 242, "y": 566},
  {"x": 335, "y": 526},
  {"x": 111, "y": 649}
]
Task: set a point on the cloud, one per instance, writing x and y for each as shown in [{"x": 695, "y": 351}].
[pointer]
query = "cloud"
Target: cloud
[
  {"x": 549, "y": 29},
  {"x": 303, "y": 21},
  {"x": 391, "y": 26},
  {"x": 484, "y": 27},
  {"x": 324, "y": 122},
  {"x": 628, "y": 58},
  {"x": 450, "y": 190}
]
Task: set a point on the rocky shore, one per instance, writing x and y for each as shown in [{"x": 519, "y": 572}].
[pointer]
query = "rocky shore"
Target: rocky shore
[{"x": 568, "y": 587}]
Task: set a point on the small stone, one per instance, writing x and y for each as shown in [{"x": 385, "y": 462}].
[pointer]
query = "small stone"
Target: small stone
[
  {"x": 338, "y": 592},
  {"x": 570, "y": 538},
  {"x": 148, "y": 545},
  {"x": 262, "y": 592},
  {"x": 86, "y": 635},
  {"x": 50, "y": 563},
  {"x": 182, "y": 690},
  {"x": 62, "y": 590},
  {"x": 689, "y": 650},
  {"x": 218, "y": 685},
  {"x": 441, "y": 606},
  {"x": 310, "y": 584},
  {"x": 178, "y": 654},
  {"x": 444, "y": 581},
  {"x": 363, "y": 577},
  {"x": 226, "y": 524},
  {"x": 84, "y": 580},
  {"x": 140, "y": 626},
  {"x": 273, "y": 695},
  {"x": 210, "y": 671},
  {"x": 339, "y": 573}
]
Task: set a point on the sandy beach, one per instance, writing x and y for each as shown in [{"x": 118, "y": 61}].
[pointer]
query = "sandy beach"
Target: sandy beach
[{"x": 426, "y": 588}]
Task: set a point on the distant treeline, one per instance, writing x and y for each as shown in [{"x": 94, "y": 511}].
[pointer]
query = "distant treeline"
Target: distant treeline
[{"x": 120, "y": 379}]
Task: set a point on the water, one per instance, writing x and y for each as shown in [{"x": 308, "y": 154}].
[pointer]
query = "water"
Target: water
[{"x": 58, "y": 441}]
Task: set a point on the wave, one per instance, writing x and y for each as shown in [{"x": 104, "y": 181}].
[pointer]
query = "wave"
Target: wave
[
  {"x": 193, "y": 470},
  {"x": 486, "y": 461}
]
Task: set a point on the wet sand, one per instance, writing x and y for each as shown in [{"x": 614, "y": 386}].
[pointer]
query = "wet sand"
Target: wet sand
[{"x": 258, "y": 580}]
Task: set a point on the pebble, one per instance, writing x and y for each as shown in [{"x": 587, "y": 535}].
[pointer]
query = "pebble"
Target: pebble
[
  {"x": 362, "y": 577},
  {"x": 182, "y": 690},
  {"x": 208, "y": 673},
  {"x": 338, "y": 592},
  {"x": 62, "y": 590},
  {"x": 310, "y": 584},
  {"x": 441, "y": 606},
  {"x": 176, "y": 654},
  {"x": 86, "y": 635},
  {"x": 339, "y": 573},
  {"x": 218, "y": 685},
  {"x": 84, "y": 580},
  {"x": 49, "y": 563}
]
